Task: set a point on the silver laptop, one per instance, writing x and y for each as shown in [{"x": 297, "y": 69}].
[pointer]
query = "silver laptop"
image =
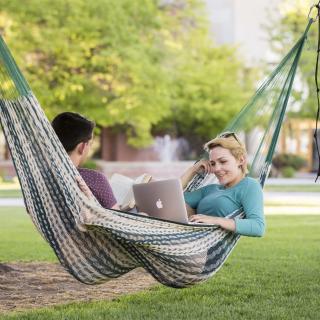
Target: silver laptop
[{"x": 161, "y": 199}]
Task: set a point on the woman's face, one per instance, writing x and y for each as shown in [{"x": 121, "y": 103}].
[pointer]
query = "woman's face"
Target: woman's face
[{"x": 225, "y": 166}]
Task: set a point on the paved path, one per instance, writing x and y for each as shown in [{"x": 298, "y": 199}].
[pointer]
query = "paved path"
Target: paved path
[
  {"x": 293, "y": 181},
  {"x": 292, "y": 203},
  {"x": 292, "y": 198},
  {"x": 11, "y": 202}
]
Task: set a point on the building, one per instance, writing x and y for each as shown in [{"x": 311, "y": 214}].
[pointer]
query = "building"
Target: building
[
  {"x": 297, "y": 137},
  {"x": 243, "y": 23}
]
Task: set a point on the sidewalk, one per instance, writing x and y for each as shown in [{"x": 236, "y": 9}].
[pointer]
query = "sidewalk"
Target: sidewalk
[{"x": 11, "y": 202}]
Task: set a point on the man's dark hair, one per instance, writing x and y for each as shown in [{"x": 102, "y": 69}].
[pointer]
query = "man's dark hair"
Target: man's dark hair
[{"x": 72, "y": 128}]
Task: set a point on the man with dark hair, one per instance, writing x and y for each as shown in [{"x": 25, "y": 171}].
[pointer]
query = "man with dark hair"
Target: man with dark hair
[{"x": 76, "y": 134}]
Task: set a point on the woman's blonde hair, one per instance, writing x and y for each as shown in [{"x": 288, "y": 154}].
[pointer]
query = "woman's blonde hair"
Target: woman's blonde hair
[{"x": 230, "y": 141}]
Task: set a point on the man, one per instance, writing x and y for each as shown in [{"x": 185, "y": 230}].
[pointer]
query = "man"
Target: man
[{"x": 76, "y": 134}]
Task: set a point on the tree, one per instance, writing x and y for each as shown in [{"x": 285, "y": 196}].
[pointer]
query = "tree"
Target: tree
[
  {"x": 209, "y": 86},
  {"x": 127, "y": 64},
  {"x": 208, "y": 92},
  {"x": 283, "y": 34}
]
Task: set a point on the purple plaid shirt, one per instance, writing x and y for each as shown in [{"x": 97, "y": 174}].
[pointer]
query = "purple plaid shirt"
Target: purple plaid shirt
[{"x": 99, "y": 186}]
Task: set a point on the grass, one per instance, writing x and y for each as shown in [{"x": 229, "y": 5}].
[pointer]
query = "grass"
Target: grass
[
  {"x": 275, "y": 203},
  {"x": 10, "y": 193},
  {"x": 19, "y": 239},
  {"x": 293, "y": 188},
  {"x": 275, "y": 277}
]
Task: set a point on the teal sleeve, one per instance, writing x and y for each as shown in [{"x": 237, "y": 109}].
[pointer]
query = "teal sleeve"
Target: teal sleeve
[
  {"x": 254, "y": 223},
  {"x": 193, "y": 198}
]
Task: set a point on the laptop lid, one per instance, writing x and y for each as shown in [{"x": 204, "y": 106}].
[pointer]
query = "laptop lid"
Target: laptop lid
[{"x": 161, "y": 199}]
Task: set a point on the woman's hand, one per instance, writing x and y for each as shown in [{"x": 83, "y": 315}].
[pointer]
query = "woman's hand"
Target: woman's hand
[
  {"x": 202, "y": 166},
  {"x": 84, "y": 188},
  {"x": 201, "y": 218},
  {"x": 224, "y": 223}
]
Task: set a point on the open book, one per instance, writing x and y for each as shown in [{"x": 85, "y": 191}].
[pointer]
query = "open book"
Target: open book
[{"x": 122, "y": 189}]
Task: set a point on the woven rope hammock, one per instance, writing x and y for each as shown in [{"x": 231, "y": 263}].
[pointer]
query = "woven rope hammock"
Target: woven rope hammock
[{"x": 95, "y": 244}]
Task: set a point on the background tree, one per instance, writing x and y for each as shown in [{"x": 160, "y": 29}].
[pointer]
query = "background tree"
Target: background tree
[
  {"x": 284, "y": 31},
  {"x": 130, "y": 65}
]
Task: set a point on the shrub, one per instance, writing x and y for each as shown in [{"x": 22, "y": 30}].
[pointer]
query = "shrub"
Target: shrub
[
  {"x": 283, "y": 160},
  {"x": 288, "y": 172},
  {"x": 90, "y": 164}
]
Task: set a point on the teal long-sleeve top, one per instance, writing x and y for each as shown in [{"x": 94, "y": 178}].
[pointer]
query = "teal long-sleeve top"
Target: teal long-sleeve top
[{"x": 216, "y": 200}]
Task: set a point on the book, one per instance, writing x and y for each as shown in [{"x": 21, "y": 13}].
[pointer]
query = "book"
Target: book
[{"x": 122, "y": 189}]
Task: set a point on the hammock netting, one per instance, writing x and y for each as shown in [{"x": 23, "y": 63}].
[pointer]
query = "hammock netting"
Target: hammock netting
[{"x": 95, "y": 244}]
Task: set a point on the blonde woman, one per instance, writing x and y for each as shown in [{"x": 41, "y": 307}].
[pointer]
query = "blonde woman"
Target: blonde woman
[{"x": 211, "y": 204}]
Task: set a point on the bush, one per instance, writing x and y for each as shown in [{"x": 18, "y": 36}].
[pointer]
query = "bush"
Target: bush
[
  {"x": 90, "y": 164},
  {"x": 283, "y": 160},
  {"x": 288, "y": 172}
]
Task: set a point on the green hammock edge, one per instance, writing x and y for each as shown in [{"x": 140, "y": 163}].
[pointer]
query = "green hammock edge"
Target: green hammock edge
[
  {"x": 12, "y": 69},
  {"x": 232, "y": 126}
]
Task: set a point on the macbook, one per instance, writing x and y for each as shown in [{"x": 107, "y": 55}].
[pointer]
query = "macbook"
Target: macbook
[{"x": 161, "y": 199}]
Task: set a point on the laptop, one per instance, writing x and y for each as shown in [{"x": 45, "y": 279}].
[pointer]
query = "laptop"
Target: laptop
[{"x": 161, "y": 199}]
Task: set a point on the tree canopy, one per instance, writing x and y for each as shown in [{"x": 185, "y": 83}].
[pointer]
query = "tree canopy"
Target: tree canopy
[{"x": 136, "y": 66}]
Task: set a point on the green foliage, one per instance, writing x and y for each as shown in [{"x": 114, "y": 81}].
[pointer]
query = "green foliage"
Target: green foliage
[
  {"x": 282, "y": 160},
  {"x": 208, "y": 92},
  {"x": 92, "y": 57},
  {"x": 90, "y": 164},
  {"x": 288, "y": 172},
  {"x": 283, "y": 34},
  {"x": 126, "y": 64},
  {"x": 259, "y": 281}
]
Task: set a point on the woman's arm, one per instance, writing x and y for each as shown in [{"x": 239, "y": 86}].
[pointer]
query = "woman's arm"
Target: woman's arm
[
  {"x": 200, "y": 166},
  {"x": 253, "y": 225},
  {"x": 186, "y": 177}
]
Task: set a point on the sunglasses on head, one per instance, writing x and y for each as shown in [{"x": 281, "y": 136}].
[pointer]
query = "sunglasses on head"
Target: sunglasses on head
[{"x": 228, "y": 135}]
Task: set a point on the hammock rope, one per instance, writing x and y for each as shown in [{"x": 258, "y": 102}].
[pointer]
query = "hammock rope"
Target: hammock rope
[
  {"x": 317, "y": 6},
  {"x": 95, "y": 244}
]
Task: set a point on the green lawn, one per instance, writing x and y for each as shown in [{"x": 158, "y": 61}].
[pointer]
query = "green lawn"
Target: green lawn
[
  {"x": 10, "y": 193},
  {"x": 275, "y": 277},
  {"x": 293, "y": 188},
  {"x": 19, "y": 240}
]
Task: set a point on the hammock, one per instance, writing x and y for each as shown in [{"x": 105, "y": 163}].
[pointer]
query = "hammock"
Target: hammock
[{"x": 95, "y": 244}]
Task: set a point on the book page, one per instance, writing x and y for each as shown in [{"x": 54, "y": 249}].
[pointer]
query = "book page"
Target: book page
[
  {"x": 144, "y": 178},
  {"x": 121, "y": 186}
]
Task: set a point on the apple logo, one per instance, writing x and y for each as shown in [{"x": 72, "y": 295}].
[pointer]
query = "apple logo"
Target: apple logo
[{"x": 159, "y": 204}]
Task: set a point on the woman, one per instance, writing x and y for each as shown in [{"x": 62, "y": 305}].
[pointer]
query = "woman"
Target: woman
[{"x": 211, "y": 204}]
